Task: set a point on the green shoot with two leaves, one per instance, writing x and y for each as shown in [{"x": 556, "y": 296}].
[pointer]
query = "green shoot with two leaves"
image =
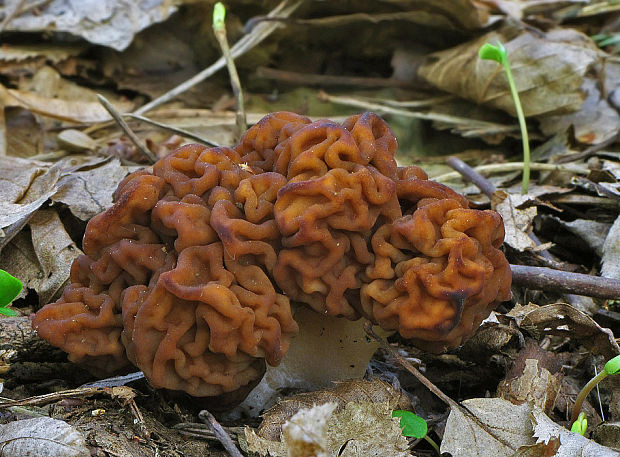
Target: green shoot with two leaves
[
  {"x": 414, "y": 426},
  {"x": 10, "y": 287},
  {"x": 498, "y": 54}
]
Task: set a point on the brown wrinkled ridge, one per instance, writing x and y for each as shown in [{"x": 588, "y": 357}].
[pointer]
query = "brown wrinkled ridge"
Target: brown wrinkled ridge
[{"x": 190, "y": 274}]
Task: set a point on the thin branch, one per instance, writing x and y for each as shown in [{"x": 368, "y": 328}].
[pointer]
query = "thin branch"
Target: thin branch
[
  {"x": 171, "y": 128},
  {"x": 542, "y": 278},
  {"x": 220, "y": 433},
  {"x": 472, "y": 175},
  {"x": 123, "y": 125},
  {"x": 258, "y": 34}
]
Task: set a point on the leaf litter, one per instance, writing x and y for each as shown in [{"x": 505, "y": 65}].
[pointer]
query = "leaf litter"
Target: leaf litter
[{"x": 61, "y": 159}]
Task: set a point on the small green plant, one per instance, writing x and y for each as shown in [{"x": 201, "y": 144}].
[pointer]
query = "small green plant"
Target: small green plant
[
  {"x": 498, "y": 53},
  {"x": 10, "y": 287},
  {"x": 611, "y": 367},
  {"x": 580, "y": 425},
  {"x": 414, "y": 426}
]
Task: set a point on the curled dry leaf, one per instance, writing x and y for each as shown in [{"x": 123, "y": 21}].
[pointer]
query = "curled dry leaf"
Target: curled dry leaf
[
  {"x": 41, "y": 436},
  {"x": 517, "y": 219},
  {"x": 564, "y": 320},
  {"x": 548, "y": 71},
  {"x": 111, "y": 23}
]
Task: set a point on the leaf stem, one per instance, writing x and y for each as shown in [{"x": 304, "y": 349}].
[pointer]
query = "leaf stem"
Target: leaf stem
[
  {"x": 432, "y": 443},
  {"x": 525, "y": 183},
  {"x": 584, "y": 393}
]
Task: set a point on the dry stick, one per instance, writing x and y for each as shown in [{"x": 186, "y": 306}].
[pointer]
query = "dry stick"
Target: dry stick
[
  {"x": 180, "y": 131},
  {"x": 542, "y": 278},
  {"x": 258, "y": 34},
  {"x": 123, "y": 125},
  {"x": 429, "y": 385},
  {"x": 220, "y": 433},
  {"x": 514, "y": 166},
  {"x": 472, "y": 175},
  {"x": 219, "y": 29},
  {"x": 9, "y": 17}
]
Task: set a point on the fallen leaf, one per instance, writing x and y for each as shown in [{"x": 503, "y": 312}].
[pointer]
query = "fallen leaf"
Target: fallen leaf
[
  {"x": 360, "y": 428},
  {"x": 548, "y": 71},
  {"x": 570, "y": 444},
  {"x": 41, "y": 436},
  {"x": 517, "y": 222},
  {"x": 498, "y": 428},
  {"x": 111, "y": 23},
  {"x": 55, "y": 252},
  {"x": 610, "y": 260}
]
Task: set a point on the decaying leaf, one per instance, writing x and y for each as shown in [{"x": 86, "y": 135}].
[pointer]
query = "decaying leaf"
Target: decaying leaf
[
  {"x": 567, "y": 443},
  {"x": 564, "y": 320},
  {"x": 498, "y": 430},
  {"x": 41, "y": 436},
  {"x": 55, "y": 251},
  {"x": 592, "y": 232},
  {"x": 111, "y": 23},
  {"x": 361, "y": 428},
  {"x": 89, "y": 192},
  {"x": 353, "y": 391},
  {"x": 548, "y": 71},
  {"x": 517, "y": 221}
]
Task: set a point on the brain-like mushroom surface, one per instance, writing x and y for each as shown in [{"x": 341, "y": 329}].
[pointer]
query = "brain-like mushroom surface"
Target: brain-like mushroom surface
[{"x": 190, "y": 274}]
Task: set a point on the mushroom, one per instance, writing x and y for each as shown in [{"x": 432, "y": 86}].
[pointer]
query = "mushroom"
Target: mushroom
[{"x": 190, "y": 275}]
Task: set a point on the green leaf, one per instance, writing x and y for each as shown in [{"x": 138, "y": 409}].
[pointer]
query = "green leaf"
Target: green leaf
[
  {"x": 10, "y": 287},
  {"x": 219, "y": 14},
  {"x": 411, "y": 424},
  {"x": 489, "y": 52},
  {"x": 580, "y": 425},
  {"x": 613, "y": 366},
  {"x": 8, "y": 312}
]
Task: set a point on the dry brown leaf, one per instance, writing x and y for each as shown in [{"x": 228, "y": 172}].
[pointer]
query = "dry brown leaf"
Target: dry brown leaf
[
  {"x": 610, "y": 261},
  {"x": 111, "y": 23},
  {"x": 548, "y": 71},
  {"x": 16, "y": 176},
  {"x": 89, "y": 192},
  {"x": 19, "y": 259},
  {"x": 52, "y": 52},
  {"x": 564, "y": 320},
  {"x": 42, "y": 436},
  {"x": 535, "y": 384},
  {"x": 359, "y": 429},
  {"x": 499, "y": 430},
  {"x": 517, "y": 221},
  {"x": 344, "y": 392},
  {"x": 55, "y": 252}
]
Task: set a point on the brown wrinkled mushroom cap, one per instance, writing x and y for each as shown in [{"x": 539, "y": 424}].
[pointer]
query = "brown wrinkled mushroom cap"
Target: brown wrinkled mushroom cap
[{"x": 189, "y": 274}]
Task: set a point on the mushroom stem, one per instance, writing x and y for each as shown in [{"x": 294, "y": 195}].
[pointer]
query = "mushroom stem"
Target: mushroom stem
[{"x": 327, "y": 349}]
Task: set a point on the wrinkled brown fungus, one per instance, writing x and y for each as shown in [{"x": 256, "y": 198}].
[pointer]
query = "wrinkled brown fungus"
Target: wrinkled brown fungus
[{"x": 190, "y": 274}]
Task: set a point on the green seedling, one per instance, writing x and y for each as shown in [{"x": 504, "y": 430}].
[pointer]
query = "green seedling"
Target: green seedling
[
  {"x": 10, "y": 287},
  {"x": 498, "y": 54},
  {"x": 611, "y": 367},
  {"x": 414, "y": 426},
  {"x": 580, "y": 425}
]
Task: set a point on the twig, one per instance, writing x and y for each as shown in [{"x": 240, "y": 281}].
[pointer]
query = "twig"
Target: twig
[
  {"x": 203, "y": 431},
  {"x": 123, "y": 125},
  {"x": 472, "y": 175},
  {"x": 55, "y": 396},
  {"x": 246, "y": 43},
  {"x": 219, "y": 29},
  {"x": 542, "y": 278},
  {"x": 9, "y": 17},
  {"x": 306, "y": 79},
  {"x": 514, "y": 166},
  {"x": 220, "y": 433},
  {"x": 180, "y": 131},
  {"x": 586, "y": 153}
]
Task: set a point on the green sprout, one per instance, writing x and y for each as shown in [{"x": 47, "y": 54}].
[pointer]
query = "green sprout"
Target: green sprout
[
  {"x": 611, "y": 367},
  {"x": 10, "y": 287},
  {"x": 498, "y": 53},
  {"x": 414, "y": 426},
  {"x": 580, "y": 425},
  {"x": 219, "y": 15}
]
